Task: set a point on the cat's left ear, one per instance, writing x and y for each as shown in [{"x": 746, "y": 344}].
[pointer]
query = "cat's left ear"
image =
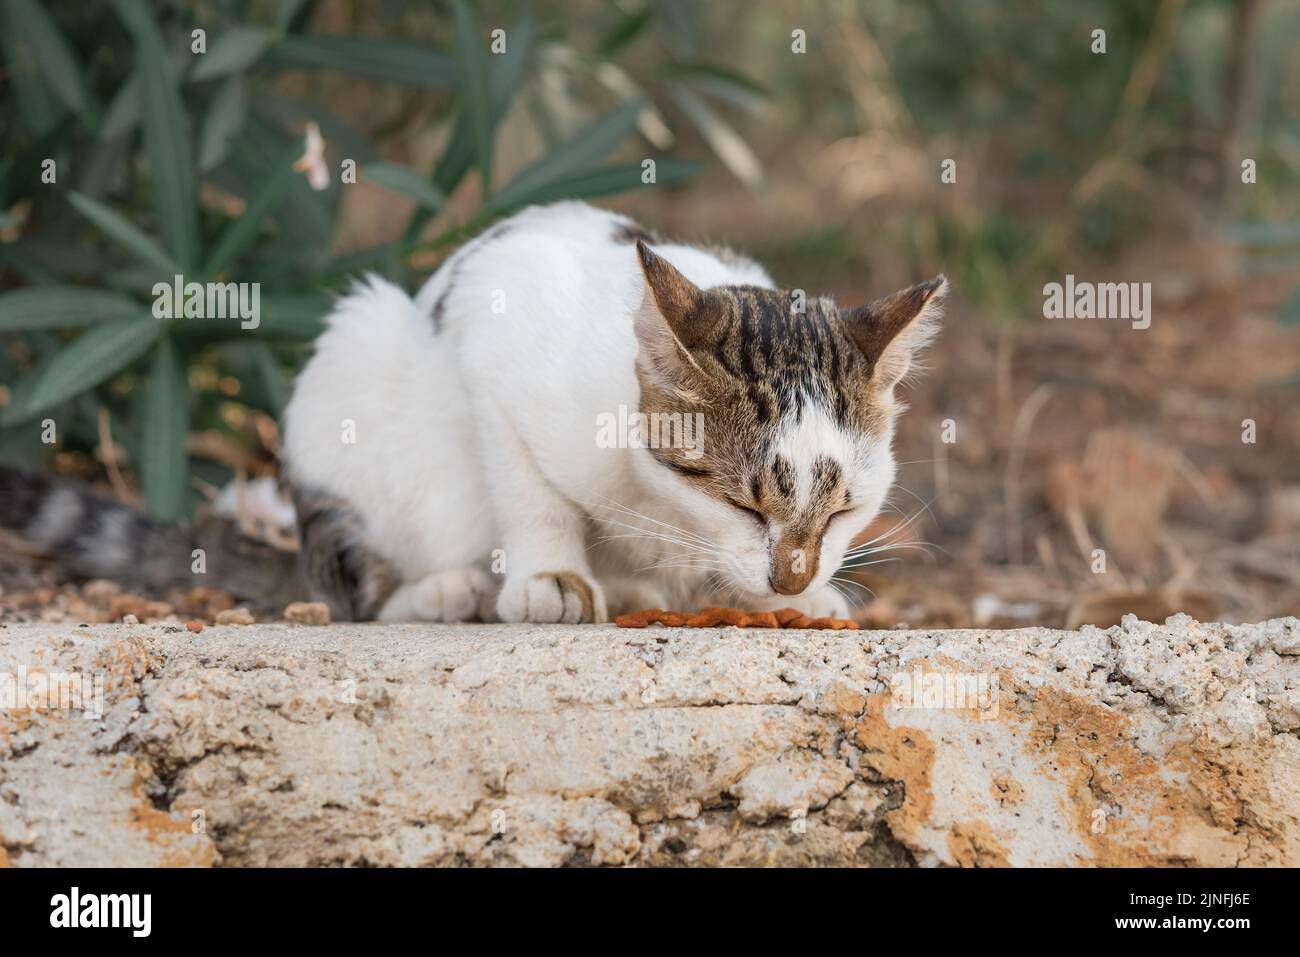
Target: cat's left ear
[
  {"x": 675, "y": 318},
  {"x": 892, "y": 331}
]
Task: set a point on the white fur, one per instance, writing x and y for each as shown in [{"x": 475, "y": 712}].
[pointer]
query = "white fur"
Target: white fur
[{"x": 483, "y": 436}]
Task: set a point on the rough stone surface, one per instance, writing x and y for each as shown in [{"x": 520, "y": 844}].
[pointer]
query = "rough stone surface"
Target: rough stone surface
[{"x": 548, "y": 745}]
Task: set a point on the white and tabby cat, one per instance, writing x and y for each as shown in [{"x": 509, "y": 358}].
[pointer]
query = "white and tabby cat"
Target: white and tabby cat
[
  {"x": 427, "y": 437},
  {"x": 445, "y": 453}
]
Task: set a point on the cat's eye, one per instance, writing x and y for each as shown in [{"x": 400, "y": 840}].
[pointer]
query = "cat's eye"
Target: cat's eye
[{"x": 751, "y": 512}]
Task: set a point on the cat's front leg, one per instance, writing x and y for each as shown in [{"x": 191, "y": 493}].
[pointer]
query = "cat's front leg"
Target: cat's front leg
[{"x": 548, "y": 578}]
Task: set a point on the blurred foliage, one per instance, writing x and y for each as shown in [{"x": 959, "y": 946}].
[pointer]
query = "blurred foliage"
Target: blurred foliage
[
  {"x": 171, "y": 161},
  {"x": 1066, "y": 158}
]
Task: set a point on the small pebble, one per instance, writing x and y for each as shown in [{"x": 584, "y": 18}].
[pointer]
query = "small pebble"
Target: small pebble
[
  {"x": 235, "y": 616},
  {"x": 130, "y": 620},
  {"x": 195, "y": 626},
  {"x": 308, "y": 613}
]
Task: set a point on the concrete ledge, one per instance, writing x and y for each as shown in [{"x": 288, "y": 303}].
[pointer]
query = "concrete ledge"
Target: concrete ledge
[{"x": 546, "y": 745}]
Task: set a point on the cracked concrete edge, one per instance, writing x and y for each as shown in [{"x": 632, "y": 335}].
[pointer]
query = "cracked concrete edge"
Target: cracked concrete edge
[{"x": 545, "y": 745}]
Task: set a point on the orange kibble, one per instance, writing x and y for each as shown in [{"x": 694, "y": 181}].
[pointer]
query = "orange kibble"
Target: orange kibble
[{"x": 716, "y": 617}]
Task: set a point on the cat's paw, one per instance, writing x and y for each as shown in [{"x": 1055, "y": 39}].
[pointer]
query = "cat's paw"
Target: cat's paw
[
  {"x": 455, "y": 594},
  {"x": 825, "y": 602},
  {"x": 552, "y": 597}
]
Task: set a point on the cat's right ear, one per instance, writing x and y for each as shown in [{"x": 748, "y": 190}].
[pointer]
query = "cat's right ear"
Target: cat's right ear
[{"x": 675, "y": 317}]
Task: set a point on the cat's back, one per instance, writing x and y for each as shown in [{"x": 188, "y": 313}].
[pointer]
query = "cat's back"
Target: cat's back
[{"x": 568, "y": 263}]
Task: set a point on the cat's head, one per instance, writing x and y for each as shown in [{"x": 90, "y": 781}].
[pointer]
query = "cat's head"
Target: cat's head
[{"x": 796, "y": 399}]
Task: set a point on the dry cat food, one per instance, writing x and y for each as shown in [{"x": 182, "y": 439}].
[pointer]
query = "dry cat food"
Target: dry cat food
[{"x": 721, "y": 617}]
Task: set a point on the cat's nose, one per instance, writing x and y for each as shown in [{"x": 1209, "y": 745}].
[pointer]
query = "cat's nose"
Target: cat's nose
[{"x": 793, "y": 565}]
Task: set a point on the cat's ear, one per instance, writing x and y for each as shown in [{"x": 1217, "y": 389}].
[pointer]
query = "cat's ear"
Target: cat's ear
[
  {"x": 675, "y": 317},
  {"x": 892, "y": 331}
]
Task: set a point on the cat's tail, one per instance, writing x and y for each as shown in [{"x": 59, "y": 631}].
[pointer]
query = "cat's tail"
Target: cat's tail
[{"x": 90, "y": 536}]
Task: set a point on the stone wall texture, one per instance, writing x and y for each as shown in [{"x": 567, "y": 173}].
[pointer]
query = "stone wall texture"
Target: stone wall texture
[{"x": 553, "y": 745}]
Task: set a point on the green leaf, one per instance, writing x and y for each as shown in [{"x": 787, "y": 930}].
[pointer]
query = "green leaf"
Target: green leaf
[
  {"x": 404, "y": 180},
  {"x": 721, "y": 136},
  {"x": 472, "y": 60},
  {"x": 163, "y": 462},
  {"x": 580, "y": 152},
  {"x": 225, "y": 120},
  {"x": 123, "y": 110},
  {"x": 381, "y": 59},
  {"x": 60, "y": 307},
  {"x": 124, "y": 233},
  {"x": 625, "y": 31},
  {"x": 28, "y": 19},
  {"x": 273, "y": 378},
  {"x": 285, "y": 12},
  {"x": 166, "y": 134},
  {"x": 38, "y": 107},
  {"x": 305, "y": 220},
  {"x": 239, "y": 235},
  {"x": 89, "y": 360},
  {"x": 127, "y": 104},
  {"x": 35, "y": 257},
  {"x": 293, "y": 317},
  {"x": 599, "y": 182},
  {"x": 718, "y": 79},
  {"x": 234, "y": 51},
  {"x": 505, "y": 72}
]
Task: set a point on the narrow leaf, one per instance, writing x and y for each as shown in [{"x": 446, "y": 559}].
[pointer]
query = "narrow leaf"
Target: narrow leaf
[
  {"x": 722, "y": 137},
  {"x": 223, "y": 123},
  {"x": 38, "y": 107},
  {"x": 60, "y": 307},
  {"x": 404, "y": 180},
  {"x": 50, "y": 50},
  {"x": 273, "y": 378},
  {"x": 166, "y": 134},
  {"x": 239, "y": 235},
  {"x": 580, "y": 152},
  {"x": 472, "y": 61},
  {"x": 124, "y": 233},
  {"x": 92, "y": 358},
  {"x": 163, "y": 462},
  {"x": 123, "y": 110},
  {"x": 600, "y": 182},
  {"x": 625, "y": 31},
  {"x": 505, "y": 73},
  {"x": 235, "y": 50},
  {"x": 381, "y": 59}
]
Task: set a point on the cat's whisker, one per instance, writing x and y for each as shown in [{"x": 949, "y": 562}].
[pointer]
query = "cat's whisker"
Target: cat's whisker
[
  {"x": 877, "y": 561},
  {"x": 654, "y": 537},
  {"x": 850, "y": 581},
  {"x": 925, "y": 505},
  {"x": 618, "y": 506},
  {"x": 923, "y": 547},
  {"x": 894, "y": 530}
]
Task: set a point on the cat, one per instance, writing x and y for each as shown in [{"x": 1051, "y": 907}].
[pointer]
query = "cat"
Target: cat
[
  {"x": 450, "y": 456},
  {"x": 446, "y": 446}
]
